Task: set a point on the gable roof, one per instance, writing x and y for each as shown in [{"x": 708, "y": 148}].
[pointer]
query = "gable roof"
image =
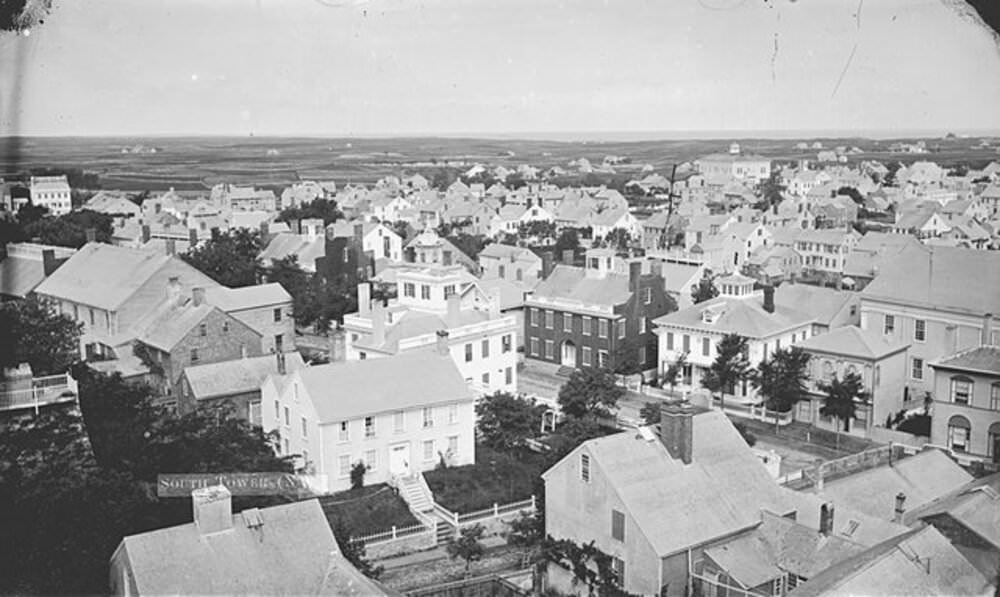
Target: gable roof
[
  {"x": 946, "y": 278},
  {"x": 982, "y": 359},
  {"x": 975, "y": 505},
  {"x": 571, "y": 283},
  {"x": 237, "y": 376},
  {"x": 105, "y": 276},
  {"x": 349, "y": 390},
  {"x": 293, "y": 552},
  {"x": 743, "y": 316},
  {"x": 824, "y": 303},
  {"x": 170, "y": 324},
  {"x": 853, "y": 341},
  {"x": 247, "y": 297}
]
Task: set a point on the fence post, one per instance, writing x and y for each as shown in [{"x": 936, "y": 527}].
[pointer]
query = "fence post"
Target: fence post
[
  {"x": 533, "y": 506},
  {"x": 496, "y": 510},
  {"x": 393, "y": 531}
]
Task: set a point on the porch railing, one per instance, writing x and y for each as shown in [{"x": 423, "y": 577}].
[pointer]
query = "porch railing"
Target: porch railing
[{"x": 41, "y": 391}]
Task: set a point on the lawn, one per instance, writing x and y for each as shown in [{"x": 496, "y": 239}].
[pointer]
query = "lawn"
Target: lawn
[
  {"x": 368, "y": 510},
  {"x": 495, "y": 478}
]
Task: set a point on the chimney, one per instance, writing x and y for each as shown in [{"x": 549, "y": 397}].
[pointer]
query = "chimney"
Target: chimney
[
  {"x": 91, "y": 235},
  {"x": 634, "y": 275},
  {"x": 454, "y": 310},
  {"x": 988, "y": 329},
  {"x": 495, "y": 303},
  {"x": 265, "y": 230},
  {"x": 280, "y": 356},
  {"x": 656, "y": 268},
  {"x": 818, "y": 476},
  {"x": 546, "y": 265},
  {"x": 446, "y": 257},
  {"x": 826, "y": 519},
  {"x": 192, "y": 238},
  {"x": 174, "y": 289},
  {"x": 568, "y": 256},
  {"x": 900, "y": 508},
  {"x": 677, "y": 429},
  {"x": 197, "y": 296},
  {"x": 359, "y": 233},
  {"x": 171, "y": 246},
  {"x": 364, "y": 299},
  {"x": 441, "y": 345},
  {"x": 146, "y": 233},
  {"x": 769, "y": 298},
  {"x": 213, "y": 509},
  {"x": 49, "y": 263},
  {"x": 378, "y": 323},
  {"x": 338, "y": 346}
]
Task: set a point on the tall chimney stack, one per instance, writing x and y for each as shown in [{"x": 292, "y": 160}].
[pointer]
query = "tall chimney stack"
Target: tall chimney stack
[
  {"x": 364, "y": 299},
  {"x": 677, "y": 429},
  {"x": 441, "y": 344},
  {"x": 49, "y": 262},
  {"x": 897, "y": 515},
  {"x": 546, "y": 265},
  {"x": 192, "y": 238},
  {"x": 378, "y": 323},
  {"x": 826, "y": 519},
  {"x": 338, "y": 345},
  {"x": 146, "y": 233},
  {"x": 198, "y": 296},
  {"x": 213, "y": 509},
  {"x": 769, "y": 298},
  {"x": 280, "y": 357},
  {"x": 170, "y": 246}
]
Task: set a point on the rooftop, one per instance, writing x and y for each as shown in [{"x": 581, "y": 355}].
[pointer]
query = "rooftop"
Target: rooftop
[
  {"x": 237, "y": 376},
  {"x": 983, "y": 359},
  {"x": 571, "y": 283},
  {"x": 247, "y": 297},
  {"x": 739, "y": 315},
  {"x": 853, "y": 341}
]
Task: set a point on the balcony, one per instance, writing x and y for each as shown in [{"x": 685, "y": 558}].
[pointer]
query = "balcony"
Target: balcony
[{"x": 37, "y": 392}]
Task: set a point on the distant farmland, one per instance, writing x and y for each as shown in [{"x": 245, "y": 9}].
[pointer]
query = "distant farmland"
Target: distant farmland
[{"x": 199, "y": 163}]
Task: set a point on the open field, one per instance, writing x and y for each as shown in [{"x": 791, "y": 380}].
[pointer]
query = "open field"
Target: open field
[{"x": 195, "y": 163}]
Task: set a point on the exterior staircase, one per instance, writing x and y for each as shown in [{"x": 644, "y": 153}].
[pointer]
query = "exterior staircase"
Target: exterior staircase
[
  {"x": 564, "y": 371},
  {"x": 445, "y": 533},
  {"x": 414, "y": 491}
]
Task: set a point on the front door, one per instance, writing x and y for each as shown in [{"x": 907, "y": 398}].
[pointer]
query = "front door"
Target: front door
[
  {"x": 399, "y": 460},
  {"x": 568, "y": 354}
]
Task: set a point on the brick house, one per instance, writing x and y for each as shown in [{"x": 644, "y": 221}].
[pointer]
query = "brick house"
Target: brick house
[{"x": 588, "y": 316}]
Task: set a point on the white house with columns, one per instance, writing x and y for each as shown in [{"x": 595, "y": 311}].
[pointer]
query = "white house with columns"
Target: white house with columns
[{"x": 433, "y": 300}]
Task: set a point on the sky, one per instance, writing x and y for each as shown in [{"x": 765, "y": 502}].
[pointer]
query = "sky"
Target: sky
[{"x": 407, "y": 67}]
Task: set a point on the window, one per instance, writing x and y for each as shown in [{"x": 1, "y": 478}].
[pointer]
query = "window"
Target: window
[
  {"x": 288, "y": 417},
  {"x": 506, "y": 343},
  {"x": 917, "y": 368},
  {"x": 995, "y": 396},
  {"x": 409, "y": 289},
  {"x": 621, "y": 328},
  {"x": 549, "y": 320},
  {"x": 617, "y": 525},
  {"x": 549, "y": 349},
  {"x": 706, "y": 346},
  {"x": 225, "y": 327},
  {"x": 958, "y": 433},
  {"x": 453, "y": 445},
  {"x": 670, "y": 340},
  {"x": 398, "y": 422},
  {"x": 618, "y": 570},
  {"x": 586, "y": 355},
  {"x": 647, "y": 295},
  {"x": 586, "y": 325},
  {"x": 305, "y": 427},
  {"x": 642, "y": 325},
  {"x": 534, "y": 317},
  {"x": 686, "y": 343},
  {"x": 468, "y": 352},
  {"x": 452, "y": 414},
  {"x": 428, "y": 417},
  {"x": 425, "y": 292},
  {"x": 344, "y": 432},
  {"x": 371, "y": 459},
  {"x": 369, "y": 426},
  {"x": 202, "y": 329},
  {"x": 585, "y": 468},
  {"x": 428, "y": 450},
  {"x": 602, "y": 328},
  {"x": 642, "y": 355},
  {"x": 194, "y": 355},
  {"x": 485, "y": 348},
  {"x": 520, "y": 274},
  {"x": 91, "y": 317},
  {"x": 533, "y": 346},
  {"x": 602, "y": 358},
  {"x": 486, "y": 379},
  {"x": 254, "y": 412},
  {"x": 961, "y": 390},
  {"x": 449, "y": 290},
  {"x": 277, "y": 315},
  {"x": 890, "y": 325},
  {"x": 503, "y": 271},
  {"x": 344, "y": 465},
  {"x": 567, "y": 322},
  {"x": 508, "y": 376},
  {"x": 279, "y": 342},
  {"x": 919, "y": 330},
  {"x": 277, "y": 411}
]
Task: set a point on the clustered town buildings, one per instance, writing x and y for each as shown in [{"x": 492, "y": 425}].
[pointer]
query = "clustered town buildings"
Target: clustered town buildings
[{"x": 910, "y": 301}]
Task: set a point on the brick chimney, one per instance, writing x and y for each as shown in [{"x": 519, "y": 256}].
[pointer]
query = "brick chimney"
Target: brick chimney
[
  {"x": 900, "y": 509},
  {"x": 213, "y": 509},
  {"x": 546, "y": 265},
  {"x": 280, "y": 357},
  {"x": 171, "y": 247},
  {"x": 769, "y": 298},
  {"x": 265, "y": 231},
  {"x": 359, "y": 233},
  {"x": 634, "y": 275},
  {"x": 146, "y": 233},
  {"x": 826, "y": 519},
  {"x": 197, "y": 296},
  {"x": 364, "y": 299},
  {"x": 677, "y": 429},
  {"x": 338, "y": 345},
  {"x": 192, "y": 238},
  {"x": 49, "y": 262},
  {"x": 441, "y": 344}
]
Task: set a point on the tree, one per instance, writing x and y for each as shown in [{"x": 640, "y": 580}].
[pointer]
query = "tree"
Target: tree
[
  {"x": 842, "y": 399},
  {"x": 569, "y": 240},
  {"x": 467, "y": 545},
  {"x": 528, "y": 532},
  {"x": 319, "y": 208},
  {"x": 118, "y": 415},
  {"x": 650, "y": 413},
  {"x": 325, "y": 302},
  {"x": 354, "y": 551},
  {"x": 674, "y": 371},
  {"x": 443, "y": 178},
  {"x": 770, "y": 191},
  {"x": 505, "y": 421},
  {"x": 782, "y": 379},
  {"x": 37, "y": 334},
  {"x": 589, "y": 565},
  {"x": 853, "y": 193},
  {"x": 470, "y": 244},
  {"x": 590, "y": 391},
  {"x": 230, "y": 258},
  {"x": 745, "y": 432},
  {"x": 572, "y": 432},
  {"x": 705, "y": 289},
  {"x": 626, "y": 357},
  {"x": 70, "y": 230},
  {"x": 358, "y": 475},
  {"x": 618, "y": 239},
  {"x": 729, "y": 367}
]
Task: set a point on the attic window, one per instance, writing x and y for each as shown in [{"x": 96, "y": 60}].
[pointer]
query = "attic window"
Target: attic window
[
  {"x": 852, "y": 525},
  {"x": 585, "y": 468}
]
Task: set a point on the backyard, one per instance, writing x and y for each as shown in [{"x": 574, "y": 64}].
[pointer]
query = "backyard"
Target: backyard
[
  {"x": 496, "y": 477},
  {"x": 367, "y": 510}
]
